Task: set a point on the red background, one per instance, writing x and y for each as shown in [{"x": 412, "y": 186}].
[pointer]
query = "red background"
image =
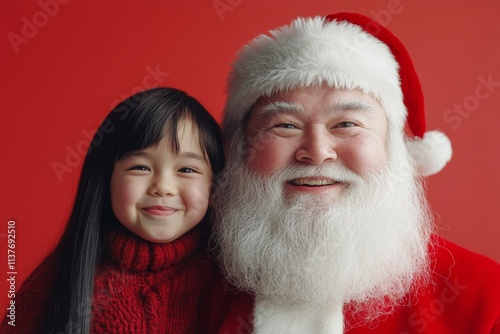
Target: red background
[{"x": 65, "y": 64}]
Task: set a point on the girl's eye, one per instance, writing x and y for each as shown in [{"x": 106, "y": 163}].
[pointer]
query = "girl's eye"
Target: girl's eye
[
  {"x": 140, "y": 168},
  {"x": 187, "y": 170}
]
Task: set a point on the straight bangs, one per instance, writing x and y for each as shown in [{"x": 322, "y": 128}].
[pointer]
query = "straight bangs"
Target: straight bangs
[
  {"x": 151, "y": 115},
  {"x": 147, "y": 117}
]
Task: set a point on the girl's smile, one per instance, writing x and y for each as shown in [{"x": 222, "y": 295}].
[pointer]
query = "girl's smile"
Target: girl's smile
[{"x": 160, "y": 210}]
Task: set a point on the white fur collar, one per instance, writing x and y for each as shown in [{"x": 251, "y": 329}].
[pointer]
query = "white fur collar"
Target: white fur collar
[{"x": 274, "y": 318}]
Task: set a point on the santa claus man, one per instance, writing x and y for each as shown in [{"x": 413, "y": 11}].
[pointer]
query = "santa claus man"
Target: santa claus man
[{"x": 321, "y": 216}]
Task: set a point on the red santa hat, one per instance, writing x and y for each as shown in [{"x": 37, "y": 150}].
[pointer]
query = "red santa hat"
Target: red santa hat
[{"x": 343, "y": 50}]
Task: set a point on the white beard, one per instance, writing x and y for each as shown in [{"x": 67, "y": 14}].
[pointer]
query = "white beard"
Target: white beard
[{"x": 367, "y": 249}]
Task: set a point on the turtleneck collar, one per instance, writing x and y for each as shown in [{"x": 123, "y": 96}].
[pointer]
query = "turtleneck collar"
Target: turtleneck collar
[{"x": 129, "y": 251}]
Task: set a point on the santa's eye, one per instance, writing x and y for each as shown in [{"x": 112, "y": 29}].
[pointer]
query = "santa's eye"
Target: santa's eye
[
  {"x": 346, "y": 125},
  {"x": 285, "y": 126}
]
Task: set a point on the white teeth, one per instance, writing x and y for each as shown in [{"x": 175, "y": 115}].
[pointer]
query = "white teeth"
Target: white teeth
[{"x": 312, "y": 182}]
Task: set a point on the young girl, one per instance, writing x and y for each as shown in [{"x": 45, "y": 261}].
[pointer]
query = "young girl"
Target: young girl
[{"x": 133, "y": 256}]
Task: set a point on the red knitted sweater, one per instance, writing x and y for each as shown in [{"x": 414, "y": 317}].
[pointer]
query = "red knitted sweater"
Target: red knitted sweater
[{"x": 141, "y": 287}]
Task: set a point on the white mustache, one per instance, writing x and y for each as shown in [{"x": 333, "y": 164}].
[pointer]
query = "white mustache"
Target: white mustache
[{"x": 335, "y": 172}]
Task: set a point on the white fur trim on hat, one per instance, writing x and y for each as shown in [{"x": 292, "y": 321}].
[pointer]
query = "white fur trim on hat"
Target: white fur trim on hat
[{"x": 312, "y": 52}]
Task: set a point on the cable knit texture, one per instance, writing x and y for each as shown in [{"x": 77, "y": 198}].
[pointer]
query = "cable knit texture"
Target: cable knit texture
[{"x": 141, "y": 287}]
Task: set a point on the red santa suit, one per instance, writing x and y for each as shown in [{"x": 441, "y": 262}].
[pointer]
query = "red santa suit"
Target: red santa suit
[{"x": 463, "y": 297}]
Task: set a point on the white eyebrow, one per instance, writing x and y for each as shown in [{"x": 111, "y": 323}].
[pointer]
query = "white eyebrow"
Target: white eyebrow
[
  {"x": 351, "y": 106},
  {"x": 279, "y": 107}
]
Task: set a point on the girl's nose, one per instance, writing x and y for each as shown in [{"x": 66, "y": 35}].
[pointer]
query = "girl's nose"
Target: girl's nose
[{"x": 163, "y": 185}]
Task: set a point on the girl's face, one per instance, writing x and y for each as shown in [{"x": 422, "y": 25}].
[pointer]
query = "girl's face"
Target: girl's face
[{"x": 160, "y": 195}]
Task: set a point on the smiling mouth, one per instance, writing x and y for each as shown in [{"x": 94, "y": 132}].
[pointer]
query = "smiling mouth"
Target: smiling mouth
[
  {"x": 315, "y": 182},
  {"x": 160, "y": 210}
]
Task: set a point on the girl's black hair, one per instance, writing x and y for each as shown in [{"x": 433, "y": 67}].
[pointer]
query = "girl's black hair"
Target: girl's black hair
[{"x": 138, "y": 122}]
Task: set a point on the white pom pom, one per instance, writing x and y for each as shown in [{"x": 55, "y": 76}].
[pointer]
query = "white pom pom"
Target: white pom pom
[{"x": 431, "y": 153}]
